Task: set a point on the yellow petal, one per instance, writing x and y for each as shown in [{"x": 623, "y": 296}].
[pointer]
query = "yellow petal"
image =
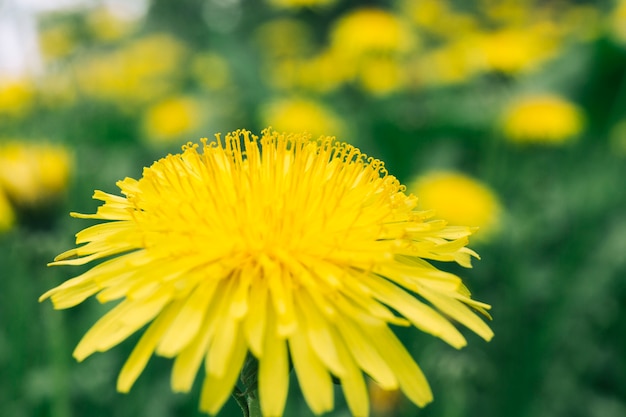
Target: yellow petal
[
  {"x": 317, "y": 329},
  {"x": 273, "y": 371},
  {"x": 188, "y": 321},
  {"x": 142, "y": 352},
  {"x": 410, "y": 377},
  {"x": 216, "y": 390}
]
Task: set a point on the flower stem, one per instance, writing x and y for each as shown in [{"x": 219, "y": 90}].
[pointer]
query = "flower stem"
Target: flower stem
[
  {"x": 254, "y": 405},
  {"x": 248, "y": 398},
  {"x": 238, "y": 395}
]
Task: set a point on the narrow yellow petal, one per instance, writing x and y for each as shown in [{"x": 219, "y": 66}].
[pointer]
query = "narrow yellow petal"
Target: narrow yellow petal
[
  {"x": 314, "y": 379},
  {"x": 119, "y": 323},
  {"x": 71, "y": 292},
  {"x": 410, "y": 377},
  {"x": 422, "y": 316},
  {"x": 317, "y": 329},
  {"x": 189, "y": 359},
  {"x": 254, "y": 324},
  {"x": 459, "y": 312},
  {"x": 352, "y": 382},
  {"x": 142, "y": 352},
  {"x": 273, "y": 371},
  {"x": 188, "y": 321},
  {"x": 357, "y": 339},
  {"x": 216, "y": 390}
]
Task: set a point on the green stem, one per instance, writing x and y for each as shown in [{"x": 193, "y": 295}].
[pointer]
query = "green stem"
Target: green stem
[
  {"x": 238, "y": 395},
  {"x": 254, "y": 405}
]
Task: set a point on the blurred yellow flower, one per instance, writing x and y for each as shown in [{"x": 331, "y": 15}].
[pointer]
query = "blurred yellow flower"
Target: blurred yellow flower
[
  {"x": 516, "y": 49},
  {"x": 107, "y": 26},
  {"x": 143, "y": 70},
  {"x": 542, "y": 118},
  {"x": 285, "y": 37},
  {"x": 459, "y": 199},
  {"x": 370, "y": 30},
  {"x": 450, "y": 63},
  {"x": 57, "y": 40},
  {"x": 296, "y": 251},
  {"x": 7, "y": 215},
  {"x": 321, "y": 73},
  {"x": 303, "y": 114},
  {"x": 381, "y": 75},
  {"x": 32, "y": 173},
  {"x": 172, "y": 118},
  {"x": 211, "y": 71},
  {"x": 296, "y": 4},
  {"x": 617, "y": 21},
  {"x": 438, "y": 18},
  {"x": 16, "y": 97}
]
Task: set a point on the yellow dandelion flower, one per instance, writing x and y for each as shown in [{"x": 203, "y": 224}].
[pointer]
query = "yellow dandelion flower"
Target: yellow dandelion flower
[
  {"x": 31, "y": 173},
  {"x": 459, "y": 199},
  {"x": 58, "y": 40},
  {"x": 438, "y": 18},
  {"x": 517, "y": 49},
  {"x": 303, "y": 114},
  {"x": 108, "y": 26},
  {"x": 371, "y": 30},
  {"x": 7, "y": 216},
  {"x": 617, "y": 21},
  {"x": 450, "y": 63},
  {"x": 543, "y": 118},
  {"x": 143, "y": 70},
  {"x": 294, "y": 250},
  {"x": 211, "y": 71},
  {"x": 16, "y": 97},
  {"x": 172, "y": 118},
  {"x": 297, "y": 4},
  {"x": 381, "y": 76}
]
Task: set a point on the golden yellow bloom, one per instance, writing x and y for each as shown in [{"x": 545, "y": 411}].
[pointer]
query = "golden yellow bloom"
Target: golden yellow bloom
[
  {"x": 58, "y": 40},
  {"x": 211, "y": 71},
  {"x": 16, "y": 97},
  {"x": 296, "y": 4},
  {"x": 543, "y": 118},
  {"x": 516, "y": 49},
  {"x": 107, "y": 26},
  {"x": 300, "y": 113},
  {"x": 31, "y": 173},
  {"x": 381, "y": 75},
  {"x": 7, "y": 216},
  {"x": 172, "y": 118},
  {"x": 284, "y": 37},
  {"x": 438, "y": 18},
  {"x": 293, "y": 250},
  {"x": 370, "y": 30},
  {"x": 458, "y": 199},
  {"x": 617, "y": 21},
  {"x": 145, "y": 69},
  {"x": 448, "y": 64}
]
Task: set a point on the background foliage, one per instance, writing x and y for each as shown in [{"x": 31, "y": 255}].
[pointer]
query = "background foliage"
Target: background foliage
[{"x": 425, "y": 86}]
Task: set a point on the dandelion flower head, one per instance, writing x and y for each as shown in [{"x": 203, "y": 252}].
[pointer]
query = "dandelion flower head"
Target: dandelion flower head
[
  {"x": 291, "y": 114},
  {"x": 459, "y": 199},
  {"x": 32, "y": 173},
  {"x": 542, "y": 118},
  {"x": 171, "y": 118},
  {"x": 371, "y": 30},
  {"x": 298, "y": 251},
  {"x": 7, "y": 215}
]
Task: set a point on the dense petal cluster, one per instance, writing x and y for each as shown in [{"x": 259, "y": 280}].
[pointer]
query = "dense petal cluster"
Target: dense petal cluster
[{"x": 301, "y": 252}]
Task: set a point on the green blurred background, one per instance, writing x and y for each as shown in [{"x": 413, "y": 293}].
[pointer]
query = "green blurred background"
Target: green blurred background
[{"x": 508, "y": 115}]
